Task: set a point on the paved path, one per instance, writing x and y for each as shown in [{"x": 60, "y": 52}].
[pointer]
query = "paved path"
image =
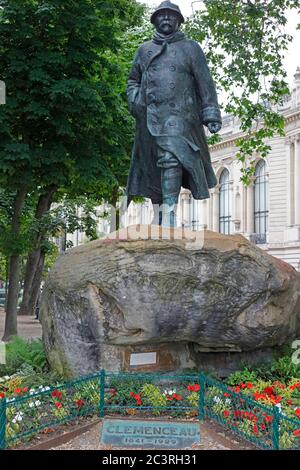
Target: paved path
[
  {"x": 28, "y": 327},
  {"x": 212, "y": 438}
]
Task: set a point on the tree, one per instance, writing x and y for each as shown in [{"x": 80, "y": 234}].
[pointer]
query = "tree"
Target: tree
[
  {"x": 245, "y": 42},
  {"x": 55, "y": 129}
]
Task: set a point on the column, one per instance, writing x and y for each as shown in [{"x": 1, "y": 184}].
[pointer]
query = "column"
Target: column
[
  {"x": 297, "y": 180},
  {"x": 185, "y": 211},
  {"x": 203, "y": 214},
  {"x": 231, "y": 206},
  {"x": 250, "y": 207},
  {"x": 215, "y": 209},
  {"x": 290, "y": 188}
]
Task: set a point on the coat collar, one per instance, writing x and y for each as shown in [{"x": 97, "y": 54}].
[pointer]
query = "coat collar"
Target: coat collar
[{"x": 159, "y": 38}]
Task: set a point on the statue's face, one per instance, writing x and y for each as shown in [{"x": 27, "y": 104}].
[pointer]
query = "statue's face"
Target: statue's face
[{"x": 166, "y": 22}]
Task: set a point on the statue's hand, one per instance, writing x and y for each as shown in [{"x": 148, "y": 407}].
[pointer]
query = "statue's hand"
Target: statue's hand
[{"x": 214, "y": 127}]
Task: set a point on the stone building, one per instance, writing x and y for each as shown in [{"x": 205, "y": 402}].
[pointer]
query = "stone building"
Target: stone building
[{"x": 268, "y": 211}]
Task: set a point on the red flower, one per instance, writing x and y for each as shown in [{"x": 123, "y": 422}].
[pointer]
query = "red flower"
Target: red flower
[
  {"x": 262, "y": 427},
  {"x": 255, "y": 429},
  {"x": 269, "y": 419},
  {"x": 56, "y": 393},
  {"x": 237, "y": 413},
  {"x": 137, "y": 398},
  {"x": 226, "y": 413},
  {"x": 296, "y": 432},
  {"x": 25, "y": 389},
  {"x": 80, "y": 403},
  {"x": 176, "y": 397},
  {"x": 58, "y": 404},
  {"x": 2, "y": 395},
  {"x": 194, "y": 388},
  {"x": 290, "y": 402},
  {"x": 297, "y": 412},
  {"x": 226, "y": 394},
  {"x": 269, "y": 390},
  {"x": 243, "y": 385},
  {"x": 249, "y": 385},
  {"x": 17, "y": 390},
  {"x": 237, "y": 389},
  {"x": 259, "y": 396}
]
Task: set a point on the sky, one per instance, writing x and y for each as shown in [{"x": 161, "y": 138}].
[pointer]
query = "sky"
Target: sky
[{"x": 292, "y": 58}]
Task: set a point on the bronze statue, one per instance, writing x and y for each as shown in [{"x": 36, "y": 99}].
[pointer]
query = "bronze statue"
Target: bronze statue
[{"x": 171, "y": 94}]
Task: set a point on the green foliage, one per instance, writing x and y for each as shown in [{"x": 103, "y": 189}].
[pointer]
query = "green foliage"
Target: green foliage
[
  {"x": 281, "y": 368},
  {"x": 244, "y": 43},
  {"x": 21, "y": 354},
  {"x": 154, "y": 397},
  {"x": 65, "y": 123},
  {"x": 244, "y": 375},
  {"x": 284, "y": 368},
  {"x": 51, "y": 256}
]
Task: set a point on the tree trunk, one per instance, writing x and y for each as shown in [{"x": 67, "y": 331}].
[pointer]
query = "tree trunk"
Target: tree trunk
[
  {"x": 36, "y": 285},
  {"x": 43, "y": 206},
  {"x": 14, "y": 270}
]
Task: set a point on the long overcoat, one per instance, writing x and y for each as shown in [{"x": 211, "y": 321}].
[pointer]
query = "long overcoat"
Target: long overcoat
[{"x": 171, "y": 94}]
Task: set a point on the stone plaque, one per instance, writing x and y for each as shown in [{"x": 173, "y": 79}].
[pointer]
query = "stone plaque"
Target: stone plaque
[
  {"x": 150, "y": 434},
  {"x": 142, "y": 359}
]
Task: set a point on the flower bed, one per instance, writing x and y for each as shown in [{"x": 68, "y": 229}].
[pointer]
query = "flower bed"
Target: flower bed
[
  {"x": 173, "y": 396},
  {"x": 29, "y": 411},
  {"x": 265, "y": 413}
]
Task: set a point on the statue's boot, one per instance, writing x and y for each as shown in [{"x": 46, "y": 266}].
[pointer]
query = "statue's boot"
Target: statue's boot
[{"x": 171, "y": 180}]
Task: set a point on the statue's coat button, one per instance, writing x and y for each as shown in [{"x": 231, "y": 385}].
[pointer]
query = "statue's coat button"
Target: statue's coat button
[
  {"x": 172, "y": 85},
  {"x": 172, "y": 68}
]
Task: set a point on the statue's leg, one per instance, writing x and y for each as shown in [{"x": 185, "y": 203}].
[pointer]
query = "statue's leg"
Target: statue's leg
[{"x": 171, "y": 181}]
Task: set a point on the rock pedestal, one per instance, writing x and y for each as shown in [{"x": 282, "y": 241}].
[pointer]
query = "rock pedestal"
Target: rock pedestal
[{"x": 164, "y": 300}]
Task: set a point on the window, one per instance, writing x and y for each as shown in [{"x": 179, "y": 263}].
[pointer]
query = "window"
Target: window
[
  {"x": 224, "y": 203},
  {"x": 261, "y": 211}
]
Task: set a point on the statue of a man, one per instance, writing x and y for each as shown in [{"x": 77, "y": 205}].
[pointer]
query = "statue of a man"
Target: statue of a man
[{"x": 171, "y": 94}]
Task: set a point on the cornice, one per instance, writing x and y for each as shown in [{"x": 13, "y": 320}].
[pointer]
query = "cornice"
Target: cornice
[{"x": 231, "y": 141}]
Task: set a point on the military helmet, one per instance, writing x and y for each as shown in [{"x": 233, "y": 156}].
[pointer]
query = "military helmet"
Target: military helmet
[{"x": 167, "y": 5}]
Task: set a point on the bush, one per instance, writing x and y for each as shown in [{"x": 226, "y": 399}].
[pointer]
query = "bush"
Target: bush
[
  {"x": 21, "y": 354},
  {"x": 245, "y": 375}
]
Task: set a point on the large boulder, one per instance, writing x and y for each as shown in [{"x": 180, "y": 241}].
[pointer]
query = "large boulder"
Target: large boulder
[{"x": 196, "y": 293}]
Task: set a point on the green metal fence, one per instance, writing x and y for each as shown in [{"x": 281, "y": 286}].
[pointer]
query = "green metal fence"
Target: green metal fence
[{"x": 140, "y": 394}]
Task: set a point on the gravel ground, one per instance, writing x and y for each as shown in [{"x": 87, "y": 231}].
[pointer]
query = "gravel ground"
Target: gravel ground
[
  {"x": 28, "y": 327},
  {"x": 211, "y": 439}
]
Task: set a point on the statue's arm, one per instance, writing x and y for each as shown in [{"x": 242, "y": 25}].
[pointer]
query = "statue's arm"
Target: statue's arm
[
  {"x": 206, "y": 88},
  {"x": 134, "y": 82}
]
